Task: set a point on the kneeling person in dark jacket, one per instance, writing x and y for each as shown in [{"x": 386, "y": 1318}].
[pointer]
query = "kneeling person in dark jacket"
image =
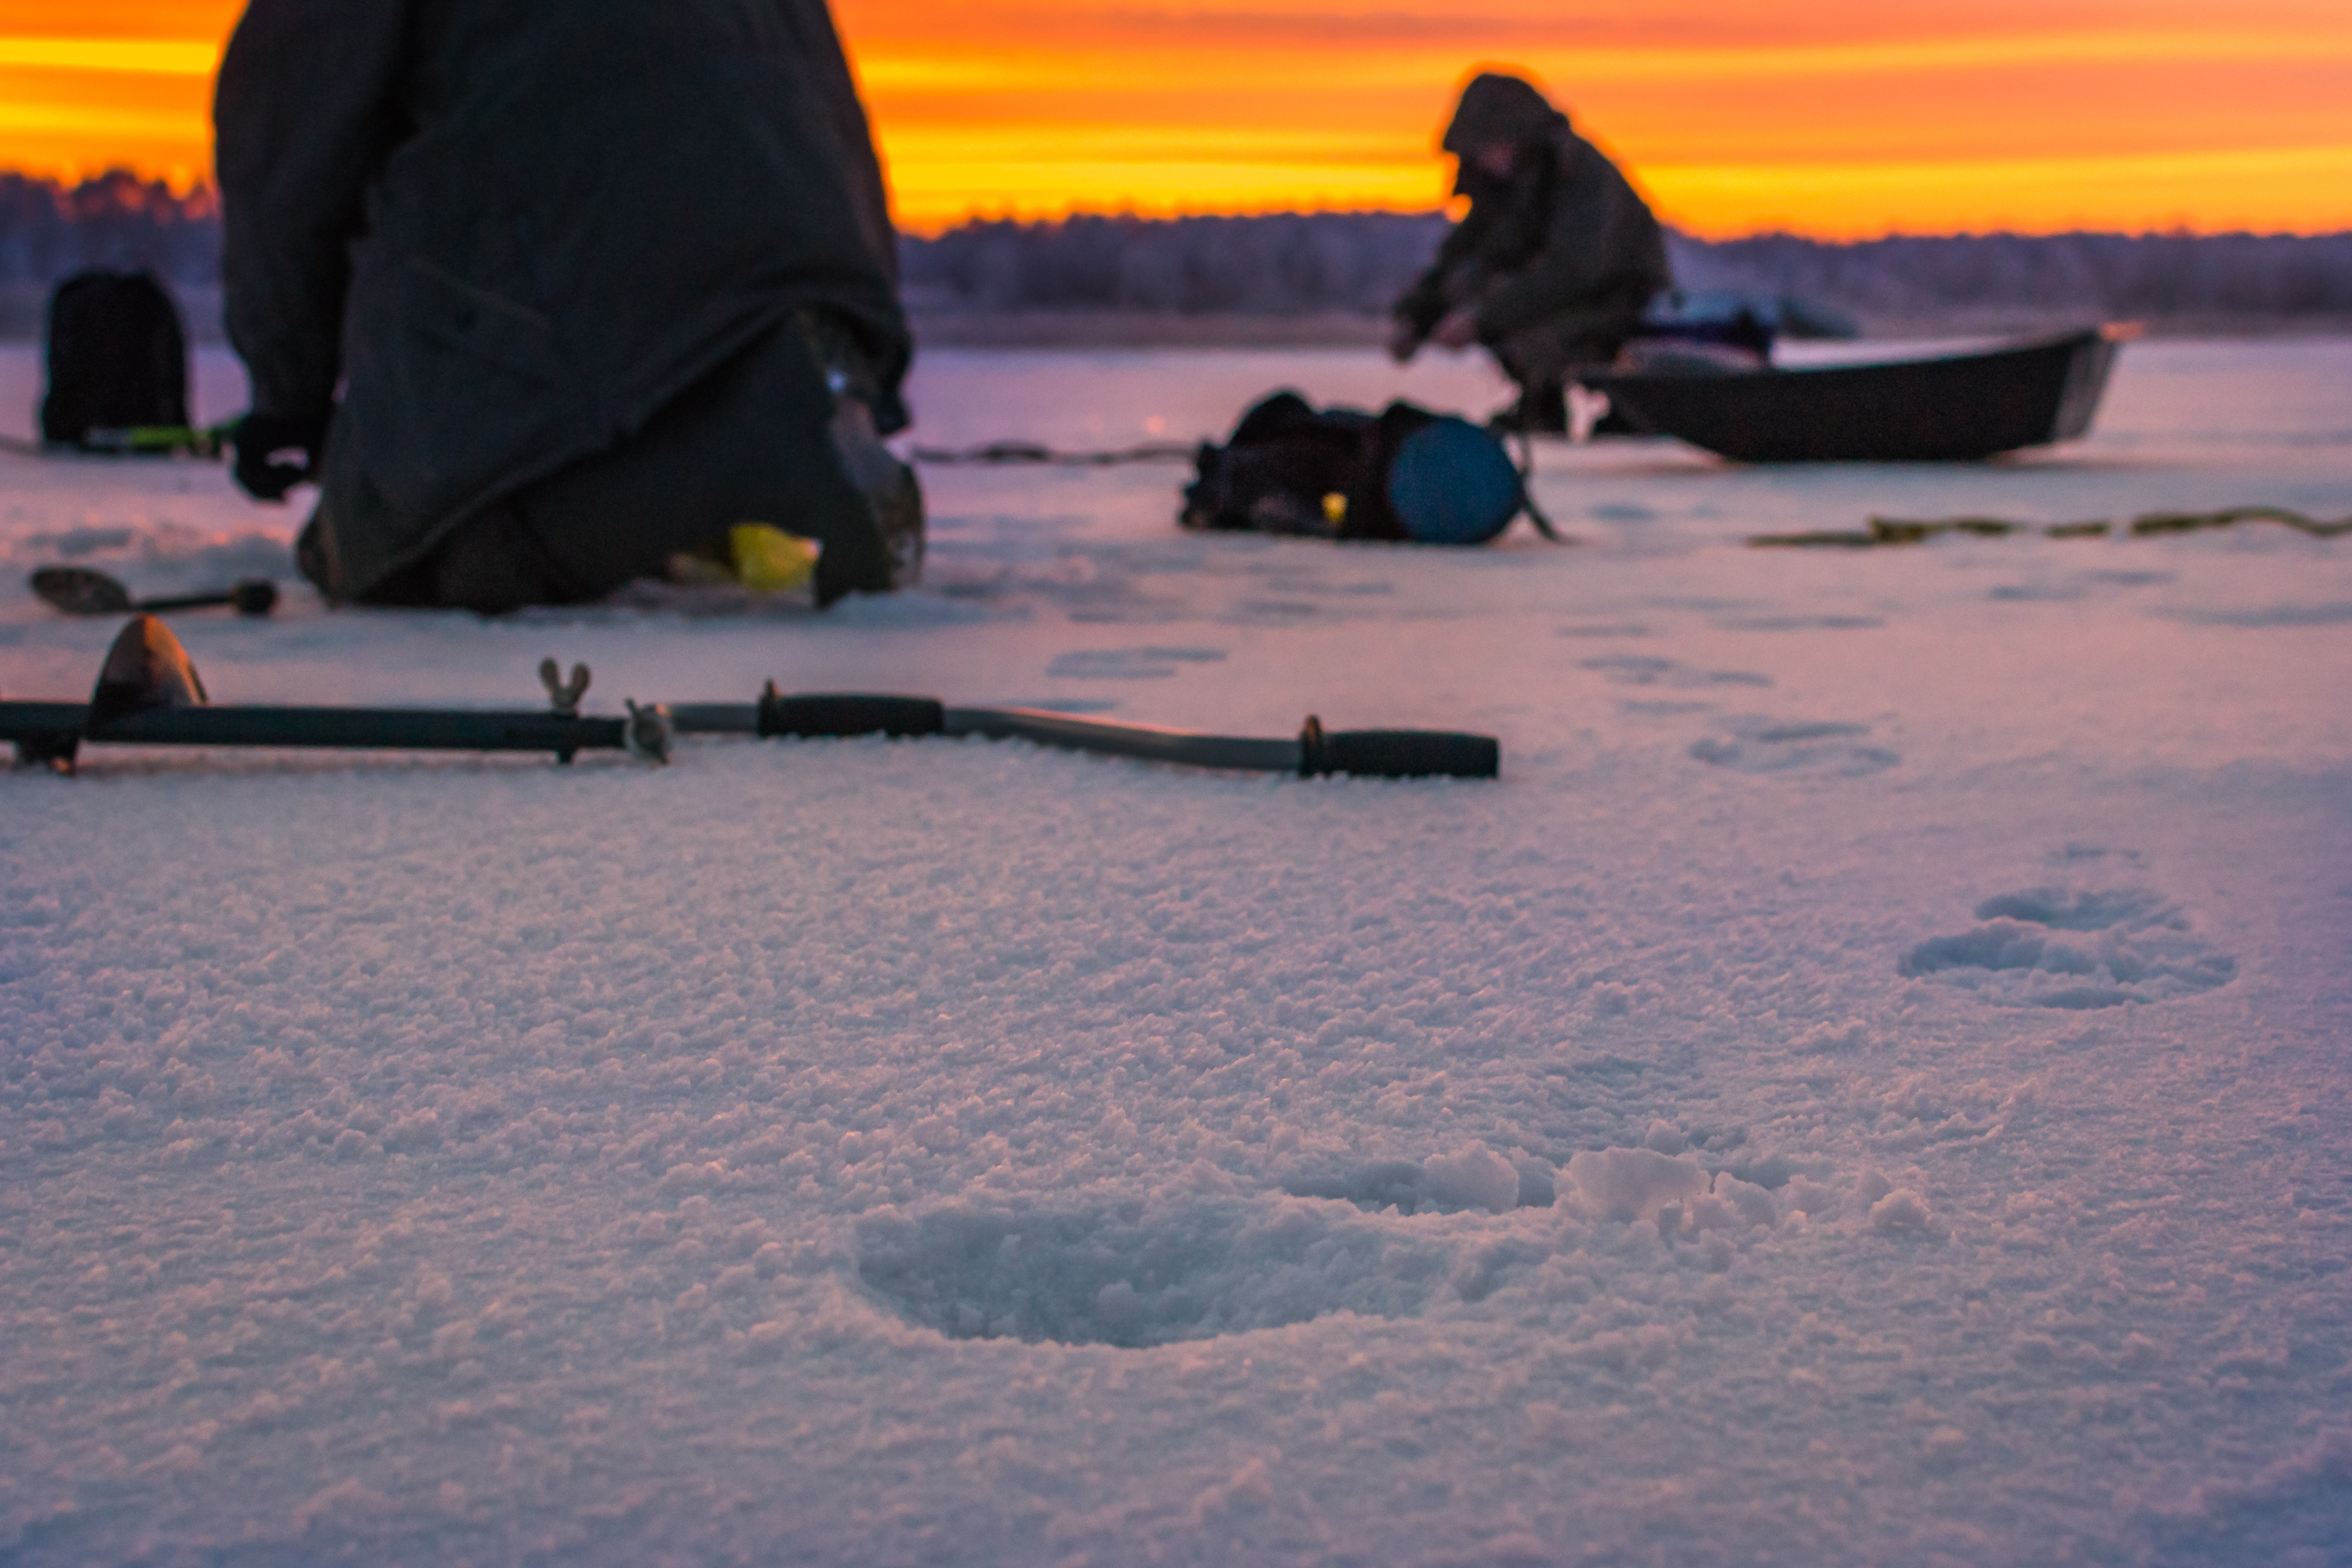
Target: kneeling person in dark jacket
[
  {"x": 545, "y": 296},
  {"x": 1552, "y": 266}
]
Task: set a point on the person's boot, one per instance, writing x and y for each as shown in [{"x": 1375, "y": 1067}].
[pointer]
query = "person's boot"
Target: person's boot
[
  {"x": 900, "y": 514},
  {"x": 891, "y": 556},
  {"x": 314, "y": 556},
  {"x": 891, "y": 492}
]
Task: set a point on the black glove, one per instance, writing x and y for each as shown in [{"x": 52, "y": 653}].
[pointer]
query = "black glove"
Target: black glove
[{"x": 276, "y": 451}]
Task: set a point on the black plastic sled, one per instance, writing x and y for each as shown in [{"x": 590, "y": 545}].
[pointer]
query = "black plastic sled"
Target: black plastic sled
[{"x": 1952, "y": 408}]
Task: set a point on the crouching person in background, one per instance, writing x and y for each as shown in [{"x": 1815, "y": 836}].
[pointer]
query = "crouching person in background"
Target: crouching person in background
[
  {"x": 547, "y": 297},
  {"x": 1553, "y": 264}
]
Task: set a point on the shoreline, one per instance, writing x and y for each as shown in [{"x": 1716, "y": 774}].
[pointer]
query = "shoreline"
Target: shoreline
[
  {"x": 1087, "y": 329},
  {"x": 23, "y": 309}
]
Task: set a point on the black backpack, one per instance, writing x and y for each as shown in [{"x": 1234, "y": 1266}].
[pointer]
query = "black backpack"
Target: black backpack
[
  {"x": 118, "y": 359},
  {"x": 1292, "y": 468}
]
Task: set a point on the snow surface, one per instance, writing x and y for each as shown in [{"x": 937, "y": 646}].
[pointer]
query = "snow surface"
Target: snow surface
[{"x": 1868, "y": 1086}]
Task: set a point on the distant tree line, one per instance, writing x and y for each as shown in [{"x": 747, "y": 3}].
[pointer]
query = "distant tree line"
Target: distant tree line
[
  {"x": 2113, "y": 275},
  {"x": 1289, "y": 263},
  {"x": 1359, "y": 261},
  {"x": 47, "y": 230},
  {"x": 1280, "y": 263}
]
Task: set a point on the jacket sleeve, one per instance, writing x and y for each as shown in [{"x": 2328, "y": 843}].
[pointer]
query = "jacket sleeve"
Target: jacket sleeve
[
  {"x": 308, "y": 107},
  {"x": 837, "y": 110},
  {"x": 1423, "y": 305},
  {"x": 851, "y": 135},
  {"x": 1420, "y": 306},
  {"x": 1598, "y": 241}
]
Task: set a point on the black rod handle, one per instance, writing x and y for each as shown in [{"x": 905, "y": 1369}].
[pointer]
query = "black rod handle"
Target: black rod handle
[
  {"x": 1397, "y": 753},
  {"x": 848, "y": 714}
]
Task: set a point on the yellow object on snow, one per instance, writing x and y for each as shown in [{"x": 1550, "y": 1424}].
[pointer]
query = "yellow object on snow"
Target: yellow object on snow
[{"x": 770, "y": 560}]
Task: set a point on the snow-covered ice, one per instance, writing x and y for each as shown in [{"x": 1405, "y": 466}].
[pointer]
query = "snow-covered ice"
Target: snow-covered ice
[{"x": 1868, "y": 1085}]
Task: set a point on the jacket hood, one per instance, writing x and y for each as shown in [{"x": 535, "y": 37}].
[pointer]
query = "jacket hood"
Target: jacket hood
[{"x": 1498, "y": 108}]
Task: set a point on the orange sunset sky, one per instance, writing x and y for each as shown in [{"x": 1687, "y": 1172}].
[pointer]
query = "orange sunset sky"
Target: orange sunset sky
[{"x": 1831, "y": 117}]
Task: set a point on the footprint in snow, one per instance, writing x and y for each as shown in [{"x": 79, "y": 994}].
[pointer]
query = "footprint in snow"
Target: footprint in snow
[
  {"x": 1770, "y": 745},
  {"x": 2074, "y": 948},
  {"x": 1130, "y": 663},
  {"x": 1803, "y": 623},
  {"x": 1151, "y": 1271},
  {"x": 2076, "y": 585},
  {"x": 2261, "y": 617},
  {"x": 1640, "y": 670}
]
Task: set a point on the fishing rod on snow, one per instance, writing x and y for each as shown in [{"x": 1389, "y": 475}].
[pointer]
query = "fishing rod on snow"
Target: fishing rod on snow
[{"x": 148, "y": 694}]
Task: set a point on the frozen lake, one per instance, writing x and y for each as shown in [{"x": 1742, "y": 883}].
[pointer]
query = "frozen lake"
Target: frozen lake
[{"x": 1867, "y": 1085}]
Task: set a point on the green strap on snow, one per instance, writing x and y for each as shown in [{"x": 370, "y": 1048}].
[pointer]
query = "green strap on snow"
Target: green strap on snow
[
  {"x": 2191, "y": 522},
  {"x": 135, "y": 441},
  {"x": 1909, "y": 531}
]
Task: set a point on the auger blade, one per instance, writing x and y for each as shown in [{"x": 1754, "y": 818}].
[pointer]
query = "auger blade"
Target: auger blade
[
  {"x": 78, "y": 591},
  {"x": 147, "y": 670}
]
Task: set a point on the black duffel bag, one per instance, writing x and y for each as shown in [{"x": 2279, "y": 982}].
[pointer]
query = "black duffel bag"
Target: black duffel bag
[
  {"x": 118, "y": 359},
  {"x": 1406, "y": 474}
]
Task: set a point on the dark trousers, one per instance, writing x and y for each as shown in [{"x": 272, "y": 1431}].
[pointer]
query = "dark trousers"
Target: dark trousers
[
  {"x": 1548, "y": 354},
  {"x": 753, "y": 442}
]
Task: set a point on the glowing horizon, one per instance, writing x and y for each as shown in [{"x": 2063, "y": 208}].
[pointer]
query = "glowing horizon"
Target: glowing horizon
[{"x": 1832, "y": 119}]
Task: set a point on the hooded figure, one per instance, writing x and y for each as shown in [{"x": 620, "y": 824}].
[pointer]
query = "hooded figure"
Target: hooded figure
[
  {"x": 545, "y": 296},
  {"x": 1552, "y": 266}
]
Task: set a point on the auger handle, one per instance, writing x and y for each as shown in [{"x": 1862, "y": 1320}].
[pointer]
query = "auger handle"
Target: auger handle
[{"x": 257, "y": 597}]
